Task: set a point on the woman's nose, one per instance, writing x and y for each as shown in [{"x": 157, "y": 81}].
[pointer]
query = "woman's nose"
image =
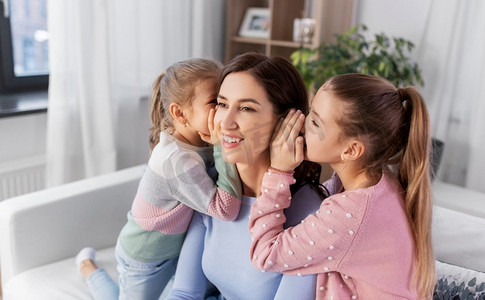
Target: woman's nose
[{"x": 228, "y": 120}]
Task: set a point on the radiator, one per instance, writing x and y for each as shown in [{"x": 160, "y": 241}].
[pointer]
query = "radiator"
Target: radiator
[{"x": 21, "y": 176}]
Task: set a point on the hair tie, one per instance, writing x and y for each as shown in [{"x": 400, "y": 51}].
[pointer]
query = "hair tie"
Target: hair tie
[{"x": 402, "y": 94}]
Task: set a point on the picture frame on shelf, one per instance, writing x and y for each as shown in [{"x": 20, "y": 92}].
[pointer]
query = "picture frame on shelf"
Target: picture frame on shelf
[{"x": 256, "y": 23}]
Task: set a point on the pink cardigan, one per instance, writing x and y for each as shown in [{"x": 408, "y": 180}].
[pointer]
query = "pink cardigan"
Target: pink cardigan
[{"x": 359, "y": 242}]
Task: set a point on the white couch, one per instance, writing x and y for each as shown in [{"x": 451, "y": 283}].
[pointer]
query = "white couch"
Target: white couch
[{"x": 40, "y": 233}]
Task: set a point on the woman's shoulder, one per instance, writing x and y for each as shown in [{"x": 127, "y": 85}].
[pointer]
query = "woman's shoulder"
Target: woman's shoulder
[{"x": 304, "y": 202}]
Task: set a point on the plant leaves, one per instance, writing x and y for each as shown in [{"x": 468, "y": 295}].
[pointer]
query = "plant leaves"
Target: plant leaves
[{"x": 384, "y": 56}]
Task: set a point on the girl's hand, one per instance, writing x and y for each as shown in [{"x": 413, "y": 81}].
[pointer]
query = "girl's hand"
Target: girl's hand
[
  {"x": 287, "y": 145},
  {"x": 213, "y": 137}
]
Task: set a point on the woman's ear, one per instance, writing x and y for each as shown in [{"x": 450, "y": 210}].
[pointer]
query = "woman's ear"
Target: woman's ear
[
  {"x": 177, "y": 113},
  {"x": 355, "y": 149}
]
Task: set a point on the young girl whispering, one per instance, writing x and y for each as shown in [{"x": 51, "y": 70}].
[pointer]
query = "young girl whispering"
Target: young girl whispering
[
  {"x": 371, "y": 239},
  {"x": 174, "y": 184}
]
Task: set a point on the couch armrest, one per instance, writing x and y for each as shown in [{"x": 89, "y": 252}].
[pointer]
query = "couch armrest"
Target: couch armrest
[
  {"x": 459, "y": 238},
  {"x": 459, "y": 198},
  {"x": 54, "y": 224}
]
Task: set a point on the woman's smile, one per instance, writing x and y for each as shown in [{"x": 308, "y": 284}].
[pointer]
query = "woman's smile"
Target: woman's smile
[{"x": 231, "y": 142}]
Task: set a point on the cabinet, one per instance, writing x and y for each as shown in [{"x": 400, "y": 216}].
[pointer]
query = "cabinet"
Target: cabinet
[{"x": 331, "y": 16}]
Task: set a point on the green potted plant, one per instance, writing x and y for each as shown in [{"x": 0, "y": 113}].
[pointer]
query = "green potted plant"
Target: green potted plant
[{"x": 353, "y": 53}]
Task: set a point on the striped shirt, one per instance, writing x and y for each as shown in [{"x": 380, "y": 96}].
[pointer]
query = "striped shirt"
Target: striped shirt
[{"x": 175, "y": 183}]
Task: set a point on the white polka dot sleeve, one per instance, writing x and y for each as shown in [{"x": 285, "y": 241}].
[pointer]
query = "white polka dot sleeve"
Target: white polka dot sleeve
[{"x": 315, "y": 246}]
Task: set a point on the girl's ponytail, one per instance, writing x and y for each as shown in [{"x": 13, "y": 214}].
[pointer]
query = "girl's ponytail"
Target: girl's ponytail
[
  {"x": 414, "y": 175},
  {"x": 157, "y": 112}
]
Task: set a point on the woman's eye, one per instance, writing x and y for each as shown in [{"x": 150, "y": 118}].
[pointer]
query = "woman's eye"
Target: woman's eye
[
  {"x": 213, "y": 101},
  {"x": 314, "y": 123},
  {"x": 247, "y": 109},
  {"x": 221, "y": 105}
]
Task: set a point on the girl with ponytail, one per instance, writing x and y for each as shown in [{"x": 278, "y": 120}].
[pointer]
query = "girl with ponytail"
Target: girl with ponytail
[
  {"x": 175, "y": 183},
  {"x": 372, "y": 238}
]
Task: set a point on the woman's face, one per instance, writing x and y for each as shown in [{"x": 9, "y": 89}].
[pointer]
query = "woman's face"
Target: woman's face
[
  {"x": 323, "y": 136},
  {"x": 246, "y": 119}
]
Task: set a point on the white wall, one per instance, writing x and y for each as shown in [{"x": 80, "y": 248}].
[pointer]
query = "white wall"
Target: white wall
[
  {"x": 22, "y": 136},
  {"x": 25, "y": 135},
  {"x": 399, "y": 18}
]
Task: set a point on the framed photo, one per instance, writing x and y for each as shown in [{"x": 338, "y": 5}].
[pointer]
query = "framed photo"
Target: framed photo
[{"x": 256, "y": 23}]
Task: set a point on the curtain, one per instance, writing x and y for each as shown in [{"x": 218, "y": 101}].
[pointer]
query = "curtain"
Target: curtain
[
  {"x": 104, "y": 56},
  {"x": 452, "y": 55}
]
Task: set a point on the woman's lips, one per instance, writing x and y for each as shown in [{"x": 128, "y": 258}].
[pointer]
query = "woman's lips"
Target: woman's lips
[{"x": 231, "y": 142}]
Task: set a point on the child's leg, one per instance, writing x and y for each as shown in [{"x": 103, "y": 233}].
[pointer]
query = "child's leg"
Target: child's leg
[
  {"x": 101, "y": 286},
  {"x": 143, "y": 280}
]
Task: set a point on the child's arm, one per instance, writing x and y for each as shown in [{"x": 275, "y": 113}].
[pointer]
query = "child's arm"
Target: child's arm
[
  {"x": 177, "y": 176},
  {"x": 317, "y": 244},
  {"x": 314, "y": 246},
  {"x": 228, "y": 182},
  {"x": 193, "y": 187},
  {"x": 174, "y": 185},
  {"x": 228, "y": 178}
]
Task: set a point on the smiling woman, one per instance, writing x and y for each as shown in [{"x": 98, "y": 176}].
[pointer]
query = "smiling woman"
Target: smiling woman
[{"x": 255, "y": 92}]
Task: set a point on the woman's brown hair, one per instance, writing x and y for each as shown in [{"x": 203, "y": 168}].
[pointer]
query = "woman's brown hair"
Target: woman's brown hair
[
  {"x": 394, "y": 126},
  {"x": 285, "y": 89},
  {"x": 177, "y": 85}
]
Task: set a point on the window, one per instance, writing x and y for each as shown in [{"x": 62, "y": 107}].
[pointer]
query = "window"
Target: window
[{"x": 24, "y": 63}]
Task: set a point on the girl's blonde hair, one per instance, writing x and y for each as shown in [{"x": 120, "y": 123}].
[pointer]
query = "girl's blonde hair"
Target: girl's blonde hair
[
  {"x": 394, "y": 125},
  {"x": 177, "y": 85}
]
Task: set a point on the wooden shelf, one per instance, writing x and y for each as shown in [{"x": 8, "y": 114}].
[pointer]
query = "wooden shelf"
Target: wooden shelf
[
  {"x": 261, "y": 41},
  {"x": 331, "y": 16},
  {"x": 241, "y": 39}
]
